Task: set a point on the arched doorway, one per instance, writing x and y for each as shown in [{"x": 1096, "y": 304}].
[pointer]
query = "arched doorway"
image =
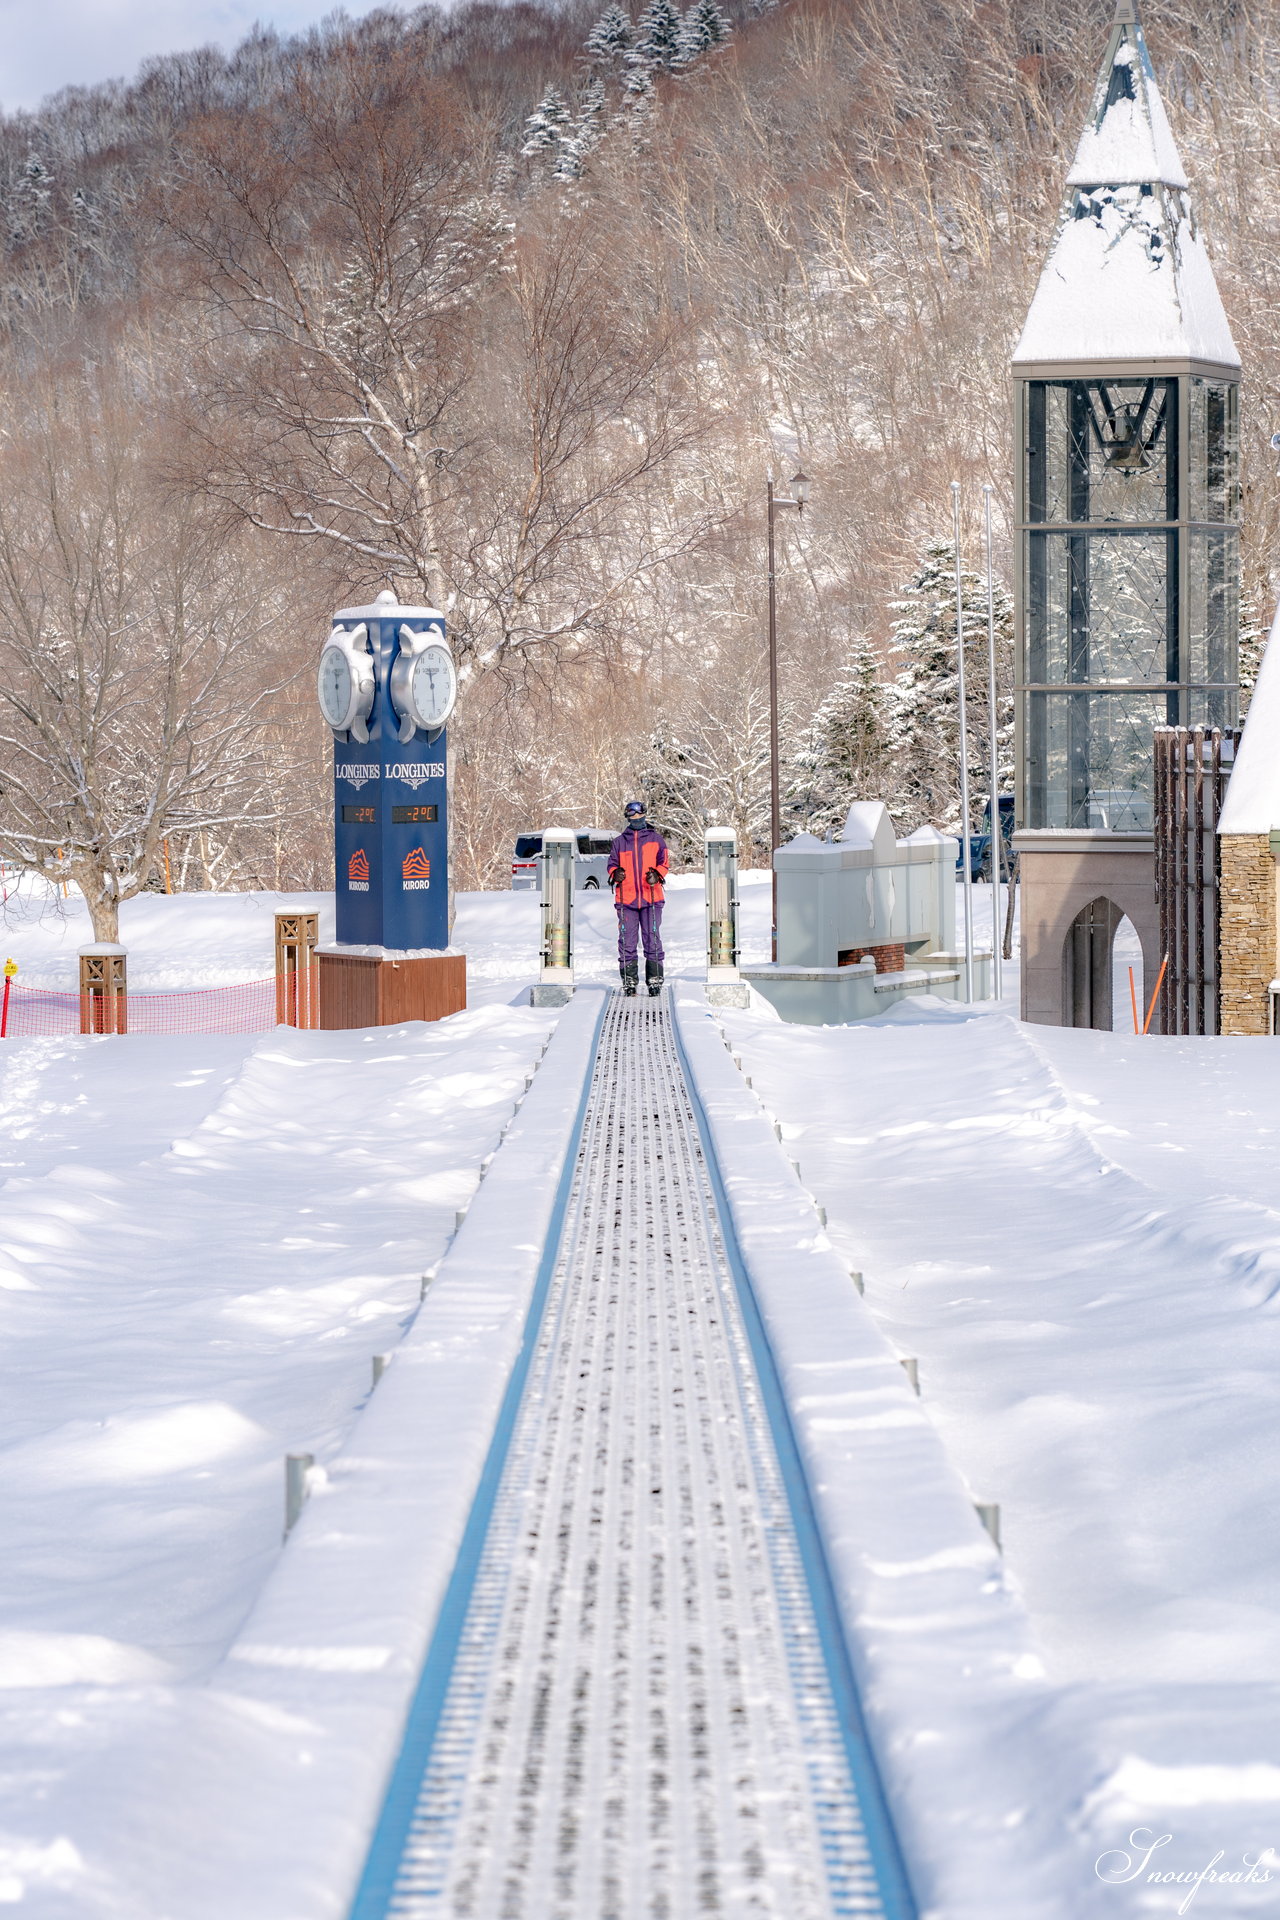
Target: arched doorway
[
  {"x": 1126, "y": 953},
  {"x": 1086, "y": 965}
]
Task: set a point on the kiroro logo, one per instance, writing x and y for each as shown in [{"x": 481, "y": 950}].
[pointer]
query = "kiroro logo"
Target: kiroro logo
[
  {"x": 358, "y": 872},
  {"x": 416, "y": 871}
]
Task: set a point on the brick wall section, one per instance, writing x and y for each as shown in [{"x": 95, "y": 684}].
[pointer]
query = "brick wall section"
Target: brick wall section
[
  {"x": 1248, "y": 951},
  {"x": 888, "y": 959}
]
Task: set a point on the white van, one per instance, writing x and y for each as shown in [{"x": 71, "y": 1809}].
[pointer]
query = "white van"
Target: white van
[{"x": 590, "y": 863}]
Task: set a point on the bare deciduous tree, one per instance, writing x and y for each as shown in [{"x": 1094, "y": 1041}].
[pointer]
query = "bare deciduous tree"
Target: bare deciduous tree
[
  {"x": 341, "y": 237},
  {"x": 135, "y": 679},
  {"x": 492, "y": 418},
  {"x": 553, "y": 402}
]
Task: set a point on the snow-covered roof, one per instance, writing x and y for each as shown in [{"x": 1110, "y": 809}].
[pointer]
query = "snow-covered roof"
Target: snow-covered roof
[
  {"x": 867, "y": 824},
  {"x": 1252, "y": 804},
  {"x": 1127, "y": 278},
  {"x": 1127, "y": 137}
]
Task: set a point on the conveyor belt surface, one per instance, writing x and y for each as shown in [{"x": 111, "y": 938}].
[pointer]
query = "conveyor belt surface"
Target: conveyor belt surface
[{"x": 638, "y": 1717}]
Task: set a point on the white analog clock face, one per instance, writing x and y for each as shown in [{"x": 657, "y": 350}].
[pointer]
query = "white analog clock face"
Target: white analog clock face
[
  {"x": 432, "y": 686},
  {"x": 346, "y": 682},
  {"x": 335, "y": 686}
]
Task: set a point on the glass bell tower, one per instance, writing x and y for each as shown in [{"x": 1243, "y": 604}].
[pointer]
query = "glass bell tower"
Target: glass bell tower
[
  {"x": 1131, "y": 508},
  {"x": 1127, "y": 510}
]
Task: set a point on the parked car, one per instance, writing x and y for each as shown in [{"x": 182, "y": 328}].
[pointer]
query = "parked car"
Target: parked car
[
  {"x": 980, "y": 842},
  {"x": 590, "y": 861},
  {"x": 524, "y": 867}
]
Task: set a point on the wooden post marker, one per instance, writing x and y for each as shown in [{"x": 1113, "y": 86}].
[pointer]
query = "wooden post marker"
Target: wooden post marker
[
  {"x": 103, "y": 989},
  {"x": 297, "y": 970}
]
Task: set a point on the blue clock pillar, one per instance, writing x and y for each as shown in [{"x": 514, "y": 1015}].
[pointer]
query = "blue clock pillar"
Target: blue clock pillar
[{"x": 391, "y": 961}]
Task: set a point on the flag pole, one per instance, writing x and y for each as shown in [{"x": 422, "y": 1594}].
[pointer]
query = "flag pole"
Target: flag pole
[
  {"x": 996, "y": 836},
  {"x": 964, "y": 754}
]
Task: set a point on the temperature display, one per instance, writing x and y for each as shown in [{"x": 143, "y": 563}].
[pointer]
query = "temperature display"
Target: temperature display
[
  {"x": 412, "y": 816},
  {"x": 359, "y": 816}
]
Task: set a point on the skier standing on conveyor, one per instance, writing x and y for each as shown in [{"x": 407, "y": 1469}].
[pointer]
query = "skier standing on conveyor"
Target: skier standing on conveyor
[{"x": 638, "y": 861}]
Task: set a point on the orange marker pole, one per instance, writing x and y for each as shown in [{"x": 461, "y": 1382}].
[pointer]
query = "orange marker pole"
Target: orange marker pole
[
  {"x": 10, "y": 968},
  {"x": 1156, "y": 995},
  {"x": 1133, "y": 995}
]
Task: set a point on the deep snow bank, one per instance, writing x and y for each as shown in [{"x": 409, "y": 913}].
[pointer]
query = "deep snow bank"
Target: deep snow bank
[
  {"x": 1071, "y": 1232},
  {"x": 202, "y": 1244}
]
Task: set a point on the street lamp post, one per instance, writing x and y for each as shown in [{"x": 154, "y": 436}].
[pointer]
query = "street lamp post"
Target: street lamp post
[{"x": 796, "y": 498}]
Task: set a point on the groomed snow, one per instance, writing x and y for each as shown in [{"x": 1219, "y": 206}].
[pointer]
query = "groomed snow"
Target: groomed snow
[
  {"x": 1078, "y": 1236},
  {"x": 203, "y": 1242}
]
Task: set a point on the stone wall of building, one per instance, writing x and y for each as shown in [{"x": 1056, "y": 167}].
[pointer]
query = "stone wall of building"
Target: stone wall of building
[
  {"x": 889, "y": 959},
  {"x": 1248, "y": 931}
]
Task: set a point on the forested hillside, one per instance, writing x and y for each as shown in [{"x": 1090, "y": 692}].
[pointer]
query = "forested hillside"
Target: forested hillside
[{"x": 515, "y": 308}]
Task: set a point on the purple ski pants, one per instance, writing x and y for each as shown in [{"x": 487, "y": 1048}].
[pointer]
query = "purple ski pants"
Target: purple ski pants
[{"x": 636, "y": 924}]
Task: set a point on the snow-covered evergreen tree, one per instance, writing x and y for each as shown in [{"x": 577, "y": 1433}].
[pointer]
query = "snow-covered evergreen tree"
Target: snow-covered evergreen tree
[
  {"x": 671, "y": 789},
  {"x": 805, "y": 784},
  {"x": 31, "y": 200},
  {"x": 546, "y": 127},
  {"x": 922, "y": 757},
  {"x": 657, "y": 41},
  {"x": 37, "y": 179},
  {"x": 840, "y": 757},
  {"x": 713, "y": 772},
  {"x": 638, "y": 102},
  {"x": 585, "y": 133},
  {"x": 703, "y": 27},
  {"x": 609, "y": 40}
]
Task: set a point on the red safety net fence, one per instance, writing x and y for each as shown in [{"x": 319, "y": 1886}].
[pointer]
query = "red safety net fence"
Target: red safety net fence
[{"x": 254, "y": 1007}]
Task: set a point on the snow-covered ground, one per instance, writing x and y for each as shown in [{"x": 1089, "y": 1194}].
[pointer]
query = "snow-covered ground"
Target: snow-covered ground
[
  {"x": 1078, "y": 1235},
  {"x": 180, "y": 940},
  {"x": 222, "y": 939},
  {"x": 203, "y": 1242}
]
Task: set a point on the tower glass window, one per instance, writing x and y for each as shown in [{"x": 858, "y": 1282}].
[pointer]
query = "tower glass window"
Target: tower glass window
[{"x": 1130, "y": 544}]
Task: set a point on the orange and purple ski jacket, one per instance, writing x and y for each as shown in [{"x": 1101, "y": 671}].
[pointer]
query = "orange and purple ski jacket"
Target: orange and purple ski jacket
[{"x": 636, "y": 852}]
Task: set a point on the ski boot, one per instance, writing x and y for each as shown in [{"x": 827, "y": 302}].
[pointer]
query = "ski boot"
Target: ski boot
[
  {"x": 631, "y": 978},
  {"x": 653, "y": 975}
]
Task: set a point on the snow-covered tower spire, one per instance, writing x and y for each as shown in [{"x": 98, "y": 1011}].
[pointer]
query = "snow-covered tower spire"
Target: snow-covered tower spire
[
  {"x": 1126, "y": 383},
  {"x": 1127, "y": 277}
]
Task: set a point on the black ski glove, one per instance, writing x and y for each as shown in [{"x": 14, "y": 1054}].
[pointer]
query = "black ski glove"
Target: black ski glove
[{"x": 653, "y": 877}]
